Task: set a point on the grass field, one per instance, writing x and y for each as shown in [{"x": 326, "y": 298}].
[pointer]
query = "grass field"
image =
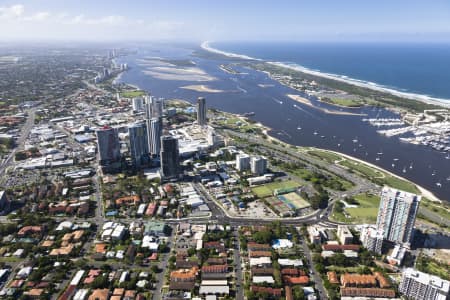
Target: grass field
[
  {"x": 381, "y": 178},
  {"x": 401, "y": 184},
  {"x": 132, "y": 94},
  {"x": 367, "y": 211},
  {"x": 345, "y": 102},
  {"x": 324, "y": 155},
  {"x": 362, "y": 169},
  {"x": 267, "y": 189}
]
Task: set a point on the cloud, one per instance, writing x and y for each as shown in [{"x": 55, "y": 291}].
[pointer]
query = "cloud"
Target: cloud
[
  {"x": 13, "y": 11},
  {"x": 25, "y": 24},
  {"x": 108, "y": 20},
  {"x": 40, "y": 16}
]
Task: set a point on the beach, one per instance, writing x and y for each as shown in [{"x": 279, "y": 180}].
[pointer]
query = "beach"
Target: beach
[{"x": 345, "y": 79}]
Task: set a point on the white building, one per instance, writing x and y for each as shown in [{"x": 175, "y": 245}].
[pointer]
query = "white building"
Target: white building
[
  {"x": 372, "y": 239},
  {"x": 344, "y": 235},
  {"x": 137, "y": 104},
  {"x": 397, "y": 214},
  {"x": 258, "y": 165},
  {"x": 421, "y": 286},
  {"x": 242, "y": 162}
]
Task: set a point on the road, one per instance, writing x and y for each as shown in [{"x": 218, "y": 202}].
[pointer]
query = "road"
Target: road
[
  {"x": 162, "y": 265},
  {"x": 26, "y": 128},
  {"x": 238, "y": 268},
  {"x": 314, "y": 275}
]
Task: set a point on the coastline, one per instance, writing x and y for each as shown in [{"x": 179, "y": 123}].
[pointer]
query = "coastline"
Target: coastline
[{"x": 445, "y": 103}]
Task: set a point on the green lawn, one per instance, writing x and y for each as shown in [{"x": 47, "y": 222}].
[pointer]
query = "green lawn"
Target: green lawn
[
  {"x": 361, "y": 168},
  {"x": 346, "y": 102},
  {"x": 377, "y": 176},
  {"x": 132, "y": 94},
  {"x": 367, "y": 211},
  {"x": 401, "y": 184},
  {"x": 267, "y": 189},
  {"x": 324, "y": 155}
]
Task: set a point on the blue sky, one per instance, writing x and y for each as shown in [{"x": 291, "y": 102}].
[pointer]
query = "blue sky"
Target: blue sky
[{"x": 319, "y": 20}]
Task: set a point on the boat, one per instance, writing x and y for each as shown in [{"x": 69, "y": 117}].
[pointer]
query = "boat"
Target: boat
[
  {"x": 404, "y": 170},
  {"x": 339, "y": 145},
  {"x": 377, "y": 158},
  {"x": 299, "y": 128},
  {"x": 248, "y": 114},
  {"x": 411, "y": 166},
  {"x": 395, "y": 159},
  {"x": 438, "y": 184},
  {"x": 322, "y": 136},
  {"x": 315, "y": 133},
  {"x": 393, "y": 165},
  {"x": 355, "y": 141},
  {"x": 434, "y": 173},
  {"x": 380, "y": 153},
  {"x": 448, "y": 156}
]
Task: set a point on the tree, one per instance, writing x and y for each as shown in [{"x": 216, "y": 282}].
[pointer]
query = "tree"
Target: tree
[{"x": 298, "y": 293}]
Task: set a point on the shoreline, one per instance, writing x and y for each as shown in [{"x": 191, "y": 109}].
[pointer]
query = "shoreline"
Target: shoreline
[
  {"x": 445, "y": 103},
  {"x": 305, "y": 101},
  {"x": 424, "y": 192},
  {"x": 265, "y": 129}
]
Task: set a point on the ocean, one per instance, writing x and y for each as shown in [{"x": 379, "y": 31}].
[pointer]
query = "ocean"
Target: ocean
[
  {"x": 254, "y": 91},
  {"x": 421, "y": 69}
]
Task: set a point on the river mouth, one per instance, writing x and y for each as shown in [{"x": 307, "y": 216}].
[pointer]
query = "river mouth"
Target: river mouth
[{"x": 247, "y": 90}]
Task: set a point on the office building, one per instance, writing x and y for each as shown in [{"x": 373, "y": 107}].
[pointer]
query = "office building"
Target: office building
[
  {"x": 201, "y": 111},
  {"x": 154, "y": 127},
  {"x": 170, "y": 158},
  {"x": 258, "y": 165},
  {"x": 397, "y": 214},
  {"x": 108, "y": 146},
  {"x": 137, "y": 104},
  {"x": 242, "y": 162},
  {"x": 421, "y": 286},
  {"x": 139, "y": 151}
]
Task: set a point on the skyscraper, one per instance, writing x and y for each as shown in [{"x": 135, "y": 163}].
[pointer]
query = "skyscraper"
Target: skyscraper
[
  {"x": 154, "y": 107},
  {"x": 170, "y": 157},
  {"x": 108, "y": 146},
  {"x": 154, "y": 127},
  {"x": 201, "y": 111},
  {"x": 397, "y": 214},
  {"x": 139, "y": 151},
  {"x": 137, "y": 104}
]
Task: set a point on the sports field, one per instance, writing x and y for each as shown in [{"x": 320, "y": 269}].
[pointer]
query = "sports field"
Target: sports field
[
  {"x": 294, "y": 201},
  {"x": 266, "y": 190}
]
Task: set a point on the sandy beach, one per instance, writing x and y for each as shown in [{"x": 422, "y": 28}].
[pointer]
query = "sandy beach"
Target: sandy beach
[
  {"x": 201, "y": 88},
  {"x": 423, "y": 98},
  {"x": 305, "y": 101}
]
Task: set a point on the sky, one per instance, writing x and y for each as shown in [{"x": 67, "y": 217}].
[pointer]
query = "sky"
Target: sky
[{"x": 219, "y": 20}]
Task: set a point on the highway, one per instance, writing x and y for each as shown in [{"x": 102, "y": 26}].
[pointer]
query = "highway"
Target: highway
[{"x": 26, "y": 128}]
